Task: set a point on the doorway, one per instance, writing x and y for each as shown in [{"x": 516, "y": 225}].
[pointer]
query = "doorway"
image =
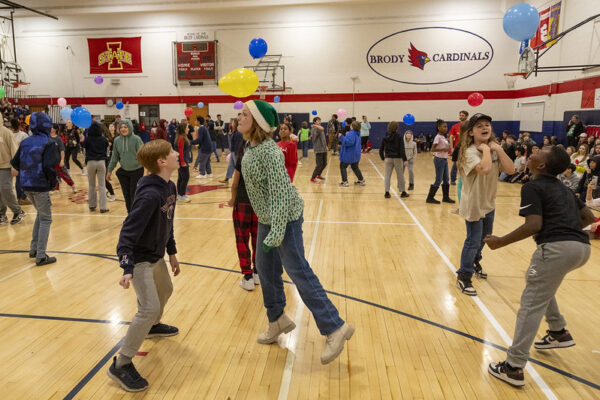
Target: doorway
[{"x": 148, "y": 114}]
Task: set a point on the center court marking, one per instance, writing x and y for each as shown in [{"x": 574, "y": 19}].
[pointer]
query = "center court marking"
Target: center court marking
[
  {"x": 536, "y": 377},
  {"x": 359, "y": 300}
]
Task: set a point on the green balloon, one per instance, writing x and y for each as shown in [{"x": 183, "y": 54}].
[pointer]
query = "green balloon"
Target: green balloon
[{"x": 2, "y": 92}]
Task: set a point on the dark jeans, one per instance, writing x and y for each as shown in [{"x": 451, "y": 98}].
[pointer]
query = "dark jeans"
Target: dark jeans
[
  {"x": 183, "y": 177},
  {"x": 19, "y": 189},
  {"x": 304, "y": 146},
  {"x": 129, "y": 181},
  {"x": 214, "y": 149},
  {"x": 71, "y": 152},
  {"x": 109, "y": 187},
  {"x": 291, "y": 253},
  {"x": 453, "y": 173},
  {"x": 363, "y": 142},
  {"x": 476, "y": 232},
  {"x": 572, "y": 141},
  {"x": 321, "y": 159},
  {"x": 354, "y": 166},
  {"x": 441, "y": 171}
]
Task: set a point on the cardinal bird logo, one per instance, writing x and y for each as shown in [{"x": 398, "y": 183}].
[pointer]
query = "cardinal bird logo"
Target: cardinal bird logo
[{"x": 417, "y": 58}]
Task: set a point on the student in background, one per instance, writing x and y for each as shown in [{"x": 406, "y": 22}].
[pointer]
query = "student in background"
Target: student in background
[
  {"x": 365, "y": 130},
  {"x": 289, "y": 149},
  {"x": 320, "y": 148},
  {"x": 410, "y": 148}
]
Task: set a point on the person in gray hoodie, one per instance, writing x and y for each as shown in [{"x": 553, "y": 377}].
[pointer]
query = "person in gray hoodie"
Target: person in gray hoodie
[{"x": 125, "y": 149}]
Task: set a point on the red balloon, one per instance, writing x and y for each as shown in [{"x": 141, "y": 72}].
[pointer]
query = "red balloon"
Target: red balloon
[
  {"x": 475, "y": 99},
  {"x": 188, "y": 111}
]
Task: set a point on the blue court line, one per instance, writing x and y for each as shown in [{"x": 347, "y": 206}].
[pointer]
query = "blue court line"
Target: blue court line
[
  {"x": 366, "y": 302},
  {"x": 93, "y": 371},
  {"x": 70, "y": 319}
]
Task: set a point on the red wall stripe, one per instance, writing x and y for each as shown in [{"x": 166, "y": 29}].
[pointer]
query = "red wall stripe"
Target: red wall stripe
[{"x": 554, "y": 88}]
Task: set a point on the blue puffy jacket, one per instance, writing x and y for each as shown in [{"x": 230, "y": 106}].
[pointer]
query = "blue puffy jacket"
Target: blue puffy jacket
[
  {"x": 350, "y": 149},
  {"x": 37, "y": 156}
]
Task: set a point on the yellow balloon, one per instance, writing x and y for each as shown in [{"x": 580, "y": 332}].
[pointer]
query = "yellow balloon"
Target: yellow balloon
[
  {"x": 27, "y": 119},
  {"x": 241, "y": 82}
]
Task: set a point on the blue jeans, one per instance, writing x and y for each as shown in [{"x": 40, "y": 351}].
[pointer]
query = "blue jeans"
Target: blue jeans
[
  {"x": 231, "y": 166},
  {"x": 304, "y": 148},
  {"x": 476, "y": 232},
  {"x": 214, "y": 149},
  {"x": 203, "y": 161},
  {"x": 41, "y": 227},
  {"x": 453, "y": 173},
  {"x": 291, "y": 252},
  {"x": 441, "y": 171},
  {"x": 20, "y": 192}
]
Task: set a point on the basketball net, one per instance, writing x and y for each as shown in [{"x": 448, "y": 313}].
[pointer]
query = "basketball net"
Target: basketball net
[
  {"x": 511, "y": 78},
  {"x": 262, "y": 92}
]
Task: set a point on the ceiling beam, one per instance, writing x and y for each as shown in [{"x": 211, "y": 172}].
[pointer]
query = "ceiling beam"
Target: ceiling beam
[{"x": 15, "y": 6}]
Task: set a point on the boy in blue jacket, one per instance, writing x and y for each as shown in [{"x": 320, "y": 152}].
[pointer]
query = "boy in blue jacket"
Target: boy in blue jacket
[
  {"x": 350, "y": 152},
  {"x": 146, "y": 232},
  {"x": 35, "y": 160}
]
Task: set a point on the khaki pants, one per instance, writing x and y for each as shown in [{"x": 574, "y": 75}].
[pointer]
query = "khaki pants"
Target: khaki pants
[
  {"x": 333, "y": 141},
  {"x": 153, "y": 288}
]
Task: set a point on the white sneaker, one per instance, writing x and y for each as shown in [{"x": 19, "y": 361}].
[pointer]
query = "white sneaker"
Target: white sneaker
[
  {"x": 179, "y": 198},
  {"x": 201, "y": 176},
  {"x": 185, "y": 198},
  {"x": 210, "y": 175},
  {"x": 83, "y": 172},
  {"x": 247, "y": 284},
  {"x": 283, "y": 325},
  {"x": 73, "y": 189},
  {"x": 256, "y": 278},
  {"x": 111, "y": 197},
  {"x": 334, "y": 343}
]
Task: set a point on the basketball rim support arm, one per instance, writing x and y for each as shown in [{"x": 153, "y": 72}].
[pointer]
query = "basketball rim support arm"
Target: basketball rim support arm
[{"x": 582, "y": 67}]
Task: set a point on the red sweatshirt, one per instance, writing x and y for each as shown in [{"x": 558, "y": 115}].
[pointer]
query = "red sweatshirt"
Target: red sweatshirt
[
  {"x": 290, "y": 153},
  {"x": 455, "y": 132}
]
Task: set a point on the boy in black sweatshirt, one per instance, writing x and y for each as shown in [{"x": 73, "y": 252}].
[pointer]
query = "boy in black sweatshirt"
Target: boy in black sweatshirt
[{"x": 146, "y": 232}]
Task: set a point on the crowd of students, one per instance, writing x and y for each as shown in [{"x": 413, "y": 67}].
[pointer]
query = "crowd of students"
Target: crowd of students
[{"x": 267, "y": 209}]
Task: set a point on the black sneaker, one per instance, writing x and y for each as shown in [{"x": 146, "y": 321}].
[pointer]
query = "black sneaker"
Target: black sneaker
[
  {"x": 508, "y": 374},
  {"x": 162, "y": 330},
  {"x": 411, "y": 186},
  {"x": 92, "y": 208},
  {"x": 127, "y": 377},
  {"x": 465, "y": 286},
  {"x": 344, "y": 183},
  {"x": 32, "y": 254},
  {"x": 360, "y": 183},
  {"x": 479, "y": 272},
  {"x": 18, "y": 217},
  {"x": 104, "y": 211},
  {"x": 387, "y": 195},
  {"x": 555, "y": 341},
  {"x": 45, "y": 261},
  {"x": 404, "y": 194},
  {"x": 3, "y": 220}
]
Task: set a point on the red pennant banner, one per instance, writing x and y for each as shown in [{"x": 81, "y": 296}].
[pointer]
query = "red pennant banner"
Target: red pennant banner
[{"x": 115, "y": 55}]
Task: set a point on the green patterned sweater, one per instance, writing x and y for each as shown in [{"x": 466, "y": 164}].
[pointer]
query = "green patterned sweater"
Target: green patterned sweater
[{"x": 273, "y": 197}]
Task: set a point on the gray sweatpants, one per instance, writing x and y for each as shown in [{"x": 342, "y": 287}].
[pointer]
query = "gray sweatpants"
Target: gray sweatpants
[
  {"x": 153, "y": 287},
  {"x": 7, "y": 195},
  {"x": 411, "y": 175},
  {"x": 96, "y": 170},
  {"x": 392, "y": 164},
  {"x": 549, "y": 265}
]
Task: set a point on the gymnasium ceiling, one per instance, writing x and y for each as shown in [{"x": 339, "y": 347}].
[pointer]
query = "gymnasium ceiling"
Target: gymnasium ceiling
[{"x": 58, "y": 7}]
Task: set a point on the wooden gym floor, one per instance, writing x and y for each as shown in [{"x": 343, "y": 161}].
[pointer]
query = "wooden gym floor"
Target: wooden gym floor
[{"x": 386, "y": 263}]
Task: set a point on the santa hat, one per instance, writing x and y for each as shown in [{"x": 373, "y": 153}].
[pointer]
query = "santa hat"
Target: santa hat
[{"x": 264, "y": 114}]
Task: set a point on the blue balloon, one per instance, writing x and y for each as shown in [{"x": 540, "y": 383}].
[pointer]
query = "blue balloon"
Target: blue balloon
[
  {"x": 314, "y": 112},
  {"x": 119, "y": 105},
  {"x": 521, "y": 22},
  {"x": 81, "y": 117},
  {"x": 409, "y": 119},
  {"x": 258, "y": 48},
  {"x": 200, "y": 104},
  {"x": 276, "y": 99},
  {"x": 65, "y": 113},
  {"x": 343, "y": 124}
]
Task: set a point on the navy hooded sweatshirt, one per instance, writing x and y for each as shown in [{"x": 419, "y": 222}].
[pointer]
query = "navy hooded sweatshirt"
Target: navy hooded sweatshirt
[
  {"x": 37, "y": 156},
  {"x": 148, "y": 229},
  {"x": 95, "y": 144}
]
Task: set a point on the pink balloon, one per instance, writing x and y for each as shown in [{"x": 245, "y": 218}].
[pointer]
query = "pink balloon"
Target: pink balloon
[
  {"x": 62, "y": 102},
  {"x": 342, "y": 114},
  {"x": 475, "y": 99}
]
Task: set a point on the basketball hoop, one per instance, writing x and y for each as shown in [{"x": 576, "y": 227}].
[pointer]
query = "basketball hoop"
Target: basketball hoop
[
  {"x": 17, "y": 84},
  {"x": 262, "y": 91},
  {"x": 511, "y": 78}
]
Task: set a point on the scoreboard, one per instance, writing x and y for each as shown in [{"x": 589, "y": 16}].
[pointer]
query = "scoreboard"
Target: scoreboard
[{"x": 196, "y": 60}]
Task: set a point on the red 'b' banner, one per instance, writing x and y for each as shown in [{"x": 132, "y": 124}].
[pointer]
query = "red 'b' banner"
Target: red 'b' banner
[{"x": 115, "y": 55}]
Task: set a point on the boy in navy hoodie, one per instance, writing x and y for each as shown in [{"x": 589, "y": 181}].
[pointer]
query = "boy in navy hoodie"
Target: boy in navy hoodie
[{"x": 146, "y": 232}]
